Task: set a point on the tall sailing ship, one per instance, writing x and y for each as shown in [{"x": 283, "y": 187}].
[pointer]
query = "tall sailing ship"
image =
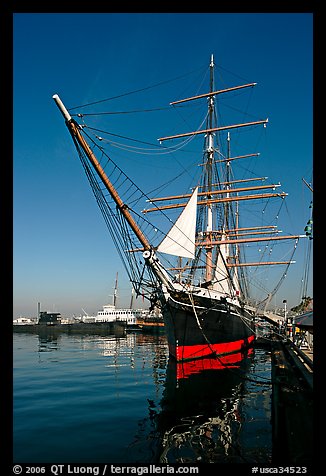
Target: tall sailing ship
[{"x": 195, "y": 267}]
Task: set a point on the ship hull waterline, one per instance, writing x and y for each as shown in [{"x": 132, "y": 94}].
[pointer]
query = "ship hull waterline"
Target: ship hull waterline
[{"x": 205, "y": 328}]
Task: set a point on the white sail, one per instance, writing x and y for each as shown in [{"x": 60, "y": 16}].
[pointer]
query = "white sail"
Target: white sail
[{"x": 180, "y": 241}]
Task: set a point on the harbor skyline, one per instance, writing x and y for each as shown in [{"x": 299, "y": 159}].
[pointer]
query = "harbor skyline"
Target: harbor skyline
[{"x": 63, "y": 255}]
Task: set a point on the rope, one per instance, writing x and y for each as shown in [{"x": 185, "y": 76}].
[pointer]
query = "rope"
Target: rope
[{"x": 198, "y": 323}]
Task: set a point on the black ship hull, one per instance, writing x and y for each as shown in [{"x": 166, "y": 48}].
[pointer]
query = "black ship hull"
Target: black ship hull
[{"x": 202, "y": 327}]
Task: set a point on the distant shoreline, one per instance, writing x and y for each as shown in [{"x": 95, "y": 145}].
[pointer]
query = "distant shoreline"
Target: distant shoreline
[{"x": 101, "y": 328}]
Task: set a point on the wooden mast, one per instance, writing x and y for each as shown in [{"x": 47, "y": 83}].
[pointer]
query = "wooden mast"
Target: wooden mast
[
  {"x": 213, "y": 93},
  {"x": 210, "y": 130},
  {"x": 219, "y": 200},
  {"x": 236, "y": 265},
  {"x": 216, "y": 192},
  {"x": 123, "y": 208},
  {"x": 250, "y": 240}
]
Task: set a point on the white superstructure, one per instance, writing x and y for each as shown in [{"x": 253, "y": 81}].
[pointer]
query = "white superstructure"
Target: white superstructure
[
  {"x": 110, "y": 313},
  {"x": 24, "y": 321}
]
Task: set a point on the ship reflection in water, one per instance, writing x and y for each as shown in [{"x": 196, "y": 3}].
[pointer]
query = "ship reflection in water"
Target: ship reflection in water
[
  {"x": 212, "y": 410},
  {"x": 204, "y": 415}
]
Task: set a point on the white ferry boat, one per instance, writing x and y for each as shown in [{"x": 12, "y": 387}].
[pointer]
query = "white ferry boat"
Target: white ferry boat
[
  {"x": 24, "y": 321},
  {"x": 109, "y": 313}
]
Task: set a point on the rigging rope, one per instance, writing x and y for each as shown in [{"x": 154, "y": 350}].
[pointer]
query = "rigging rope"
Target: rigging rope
[
  {"x": 146, "y": 88},
  {"x": 119, "y": 112},
  {"x": 166, "y": 150}
]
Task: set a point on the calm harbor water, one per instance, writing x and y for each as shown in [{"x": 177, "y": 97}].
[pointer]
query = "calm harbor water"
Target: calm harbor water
[{"x": 109, "y": 399}]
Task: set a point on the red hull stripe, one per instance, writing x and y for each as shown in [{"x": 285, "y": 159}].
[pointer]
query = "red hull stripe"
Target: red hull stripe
[
  {"x": 189, "y": 352},
  {"x": 190, "y": 367}
]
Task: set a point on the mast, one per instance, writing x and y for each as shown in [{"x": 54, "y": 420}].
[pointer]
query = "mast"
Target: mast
[
  {"x": 220, "y": 241},
  {"x": 209, "y": 169},
  {"x": 132, "y": 298},
  {"x": 115, "y": 290},
  {"x": 209, "y": 196},
  {"x": 228, "y": 218}
]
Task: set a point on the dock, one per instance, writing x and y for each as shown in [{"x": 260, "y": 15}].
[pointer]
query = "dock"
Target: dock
[
  {"x": 292, "y": 404},
  {"x": 292, "y": 389}
]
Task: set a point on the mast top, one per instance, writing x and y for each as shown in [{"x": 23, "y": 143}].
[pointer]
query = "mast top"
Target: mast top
[
  {"x": 62, "y": 107},
  {"x": 212, "y": 61}
]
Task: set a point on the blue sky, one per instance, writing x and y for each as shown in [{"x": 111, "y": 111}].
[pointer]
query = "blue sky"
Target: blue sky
[{"x": 63, "y": 254}]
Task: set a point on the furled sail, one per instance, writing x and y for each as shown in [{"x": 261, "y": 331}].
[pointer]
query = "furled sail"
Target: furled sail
[
  {"x": 236, "y": 283},
  {"x": 221, "y": 276},
  {"x": 180, "y": 241}
]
